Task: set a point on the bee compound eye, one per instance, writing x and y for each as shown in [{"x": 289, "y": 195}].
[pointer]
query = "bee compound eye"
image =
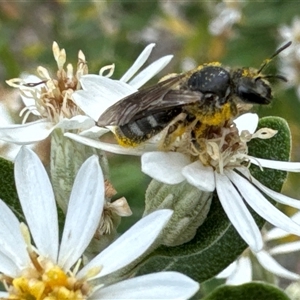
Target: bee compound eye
[{"x": 254, "y": 90}]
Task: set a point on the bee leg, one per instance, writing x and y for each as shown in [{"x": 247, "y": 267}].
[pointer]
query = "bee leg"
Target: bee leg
[
  {"x": 174, "y": 131},
  {"x": 197, "y": 141}
]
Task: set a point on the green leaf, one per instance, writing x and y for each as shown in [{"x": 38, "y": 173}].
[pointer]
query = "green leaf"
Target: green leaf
[
  {"x": 276, "y": 148},
  {"x": 217, "y": 243},
  {"x": 249, "y": 291},
  {"x": 8, "y": 192}
]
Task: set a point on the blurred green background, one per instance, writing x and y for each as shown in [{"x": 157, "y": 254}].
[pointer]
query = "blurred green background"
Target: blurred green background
[{"x": 117, "y": 31}]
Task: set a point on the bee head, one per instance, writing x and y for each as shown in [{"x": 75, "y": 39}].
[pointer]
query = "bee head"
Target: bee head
[{"x": 253, "y": 87}]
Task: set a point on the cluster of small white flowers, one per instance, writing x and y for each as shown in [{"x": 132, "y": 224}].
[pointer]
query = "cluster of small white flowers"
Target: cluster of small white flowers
[
  {"x": 290, "y": 58},
  {"x": 228, "y": 13},
  {"x": 51, "y": 269}
]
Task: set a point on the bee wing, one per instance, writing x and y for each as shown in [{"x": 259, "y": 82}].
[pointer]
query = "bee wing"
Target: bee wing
[{"x": 160, "y": 97}]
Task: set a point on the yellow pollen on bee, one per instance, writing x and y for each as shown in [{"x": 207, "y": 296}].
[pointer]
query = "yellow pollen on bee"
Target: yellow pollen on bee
[
  {"x": 217, "y": 117},
  {"x": 123, "y": 140},
  {"x": 126, "y": 142}
]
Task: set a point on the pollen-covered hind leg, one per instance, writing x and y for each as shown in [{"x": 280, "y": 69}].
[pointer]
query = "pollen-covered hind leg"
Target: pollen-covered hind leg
[
  {"x": 175, "y": 133},
  {"x": 197, "y": 141},
  {"x": 198, "y": 144}
]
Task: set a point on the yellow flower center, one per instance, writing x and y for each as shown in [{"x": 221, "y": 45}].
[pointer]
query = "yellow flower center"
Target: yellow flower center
[{"x": 51, "y": 283}]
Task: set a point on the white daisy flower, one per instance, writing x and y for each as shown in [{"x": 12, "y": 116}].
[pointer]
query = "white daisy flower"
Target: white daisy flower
[
  {"x": 50, "y": 99},
  {"x": 51, "y": 269},
  {"x": 224, "y": 170},
  {"x": 227, "y": 14},
  {"x": 241, "y": 271}
]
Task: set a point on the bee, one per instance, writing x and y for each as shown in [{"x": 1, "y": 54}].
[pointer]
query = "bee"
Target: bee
[{"x": 195, "y": 103}]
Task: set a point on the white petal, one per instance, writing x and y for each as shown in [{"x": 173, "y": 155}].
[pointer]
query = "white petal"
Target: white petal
[
  {"x": 262, "y": 206},
  {"x": 84, "y": 212},
  {"x": 275, "y": 233},
  {"x": 238, "y": 213},
  {"x": 296, "y": 217},
  {"x": 4, "y": 295},
  {"x": 243, "y": 272},
  {"x": 165, "y": 167},
  {"x": 9, "y": 267},
  {"x": 247, "y": 121},
  {"x": 27, "y": 98},
  {"x": 270, "y": 264},
  {"x": 200, "y": 176},
  {"x": 94, "y": 132},
  {"x": 5, "y": 117},
  {"x": 164, "y": 285},
  {"x": 275, "y": 164},
  {"x": 113, "y": 148},
  {"x": 37, "y": 200},
  {"x": 276, "y": 196},
  {"x": 10, "y": 236},
  {"x": 26, "y": 133},
  {"x": 285, "y": 248},
  {"x": 121, "y": 252},
  {"x": 89, "y": 103},
  {"x": 77, "y": 122},
  {"x": 107, "y": 89},
  {"x": 138, "y": 63},
  {"x": 100, "y": 93},
  {"x": 228, "y": 270},
  {"x": 150, "y": 71}
]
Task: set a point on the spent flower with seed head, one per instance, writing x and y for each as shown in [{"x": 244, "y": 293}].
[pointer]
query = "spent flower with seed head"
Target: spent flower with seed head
[
  {"x": 53, "y": 270},
  {"x": 49, "y": 99}
]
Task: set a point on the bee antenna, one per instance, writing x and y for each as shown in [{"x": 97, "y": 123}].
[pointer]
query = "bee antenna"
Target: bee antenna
[
  {"x": 266, "y": 61},
  {"x": 280, "y": 77}
]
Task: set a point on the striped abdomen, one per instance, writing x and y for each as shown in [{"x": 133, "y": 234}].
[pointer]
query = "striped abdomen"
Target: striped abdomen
[{"x": 142, "y": 129}]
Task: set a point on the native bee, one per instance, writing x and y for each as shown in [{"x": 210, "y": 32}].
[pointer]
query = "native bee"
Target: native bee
[{"x": 193, "y": 103}]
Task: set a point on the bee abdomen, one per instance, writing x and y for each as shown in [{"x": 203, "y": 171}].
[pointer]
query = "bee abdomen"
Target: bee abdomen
[{"x": 142, "y": 129}]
